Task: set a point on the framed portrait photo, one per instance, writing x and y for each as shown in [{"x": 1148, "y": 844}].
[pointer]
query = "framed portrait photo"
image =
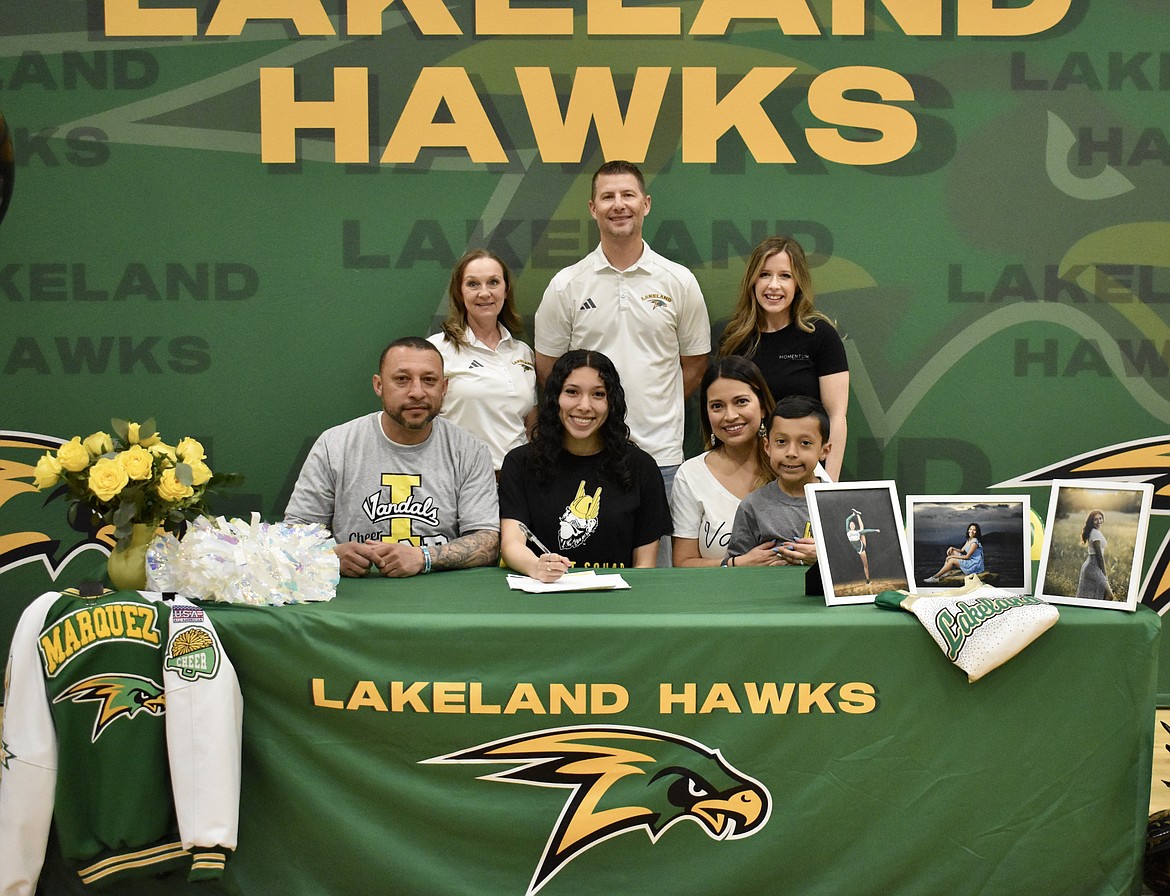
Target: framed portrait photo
[
  {"x": 861, "y": 545},
  {"x": 952, "y": 537},
  {"x": 1094, "y": 543}
]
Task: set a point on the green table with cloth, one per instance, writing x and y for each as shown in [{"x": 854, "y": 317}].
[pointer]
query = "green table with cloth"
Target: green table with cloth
[{"x": 834, "y": 750}]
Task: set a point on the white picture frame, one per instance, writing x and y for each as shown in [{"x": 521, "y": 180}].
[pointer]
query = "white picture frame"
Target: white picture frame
[
  {"x": 1155, "y": 594},
  {"x": 851, "y": 574},
  {"x": 1067, "y": 573},
  {"x": 936, "y": 524}
]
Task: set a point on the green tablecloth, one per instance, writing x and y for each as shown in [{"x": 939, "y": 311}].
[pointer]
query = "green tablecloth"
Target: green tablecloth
[{"x": 884, "y": 771}]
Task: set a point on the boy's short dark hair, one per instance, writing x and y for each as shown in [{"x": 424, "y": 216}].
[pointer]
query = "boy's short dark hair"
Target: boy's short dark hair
[{"x": 793, "y": 407}]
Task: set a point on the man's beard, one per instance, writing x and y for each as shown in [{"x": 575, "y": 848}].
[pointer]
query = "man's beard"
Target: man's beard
[{"x": 406, "y": 424}]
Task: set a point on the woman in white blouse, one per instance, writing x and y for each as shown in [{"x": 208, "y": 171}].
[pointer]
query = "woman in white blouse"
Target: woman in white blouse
[
  {"x": 491, "y": 375},
  {"x": 733, "y": 403}
]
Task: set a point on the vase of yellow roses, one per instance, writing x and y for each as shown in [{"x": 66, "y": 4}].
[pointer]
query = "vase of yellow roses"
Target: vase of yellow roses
[{"x": 133, "y": 481}]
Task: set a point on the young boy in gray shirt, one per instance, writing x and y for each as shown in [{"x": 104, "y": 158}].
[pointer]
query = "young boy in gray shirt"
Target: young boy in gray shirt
[{"x": 798, "y": 441}]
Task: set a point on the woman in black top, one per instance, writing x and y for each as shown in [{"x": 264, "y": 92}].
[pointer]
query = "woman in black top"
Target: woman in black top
[
  {"x": 589, "y": 495},
  {"x": 775, "y": 324}
]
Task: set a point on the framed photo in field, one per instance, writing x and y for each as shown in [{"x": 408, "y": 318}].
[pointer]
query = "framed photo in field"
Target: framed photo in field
[
  {"x": 952, "y": 537},
  {"x": 1094, "y": 541},
  {"x": 861, "y": 545}
]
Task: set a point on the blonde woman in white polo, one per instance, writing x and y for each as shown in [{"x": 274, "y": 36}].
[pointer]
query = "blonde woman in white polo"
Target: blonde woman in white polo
[{"x": 491, "y": 375}]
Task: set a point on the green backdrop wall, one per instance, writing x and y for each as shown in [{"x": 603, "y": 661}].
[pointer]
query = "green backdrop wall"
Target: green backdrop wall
[{"x": 222, "y": 214}]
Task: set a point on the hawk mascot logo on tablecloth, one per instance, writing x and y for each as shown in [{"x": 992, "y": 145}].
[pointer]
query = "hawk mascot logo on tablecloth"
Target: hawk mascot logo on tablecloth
[
  {"x": 33, "y": 525},
  {"x": 623, "y": 779},
  {"x": 117, "y": 696},
  {"x": 1143, "y": 460}
]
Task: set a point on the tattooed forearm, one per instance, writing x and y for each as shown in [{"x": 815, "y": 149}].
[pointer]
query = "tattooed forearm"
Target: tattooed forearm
[{"x": 480, "y": 548}]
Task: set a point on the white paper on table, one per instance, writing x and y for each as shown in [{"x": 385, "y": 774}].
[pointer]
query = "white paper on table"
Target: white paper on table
[{"x": 570, "y": 581}]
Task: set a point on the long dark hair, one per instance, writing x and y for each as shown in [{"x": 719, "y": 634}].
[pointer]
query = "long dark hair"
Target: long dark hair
[
  {"x": 740, "y": 369},
  {"x": 549, "y": 435},
  {"x": 978, "y": 531},
  {"x": 1089, "y": 525}
]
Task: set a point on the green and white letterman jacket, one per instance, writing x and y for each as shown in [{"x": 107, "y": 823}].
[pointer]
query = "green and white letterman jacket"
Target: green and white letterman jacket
[{"x": 121, "y": 724}]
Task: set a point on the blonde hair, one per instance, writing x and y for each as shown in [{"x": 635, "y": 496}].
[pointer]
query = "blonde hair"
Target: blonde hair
[
  {"x": 742, "y": 334},
  {"x": 455, "y": 326}
]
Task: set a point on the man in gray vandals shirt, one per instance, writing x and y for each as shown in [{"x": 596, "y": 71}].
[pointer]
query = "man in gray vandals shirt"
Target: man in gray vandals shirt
[{"x": 402, "y": 490}]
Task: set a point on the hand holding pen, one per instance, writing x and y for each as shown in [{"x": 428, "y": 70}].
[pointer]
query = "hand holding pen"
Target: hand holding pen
[{"x": 548, "y": 566}]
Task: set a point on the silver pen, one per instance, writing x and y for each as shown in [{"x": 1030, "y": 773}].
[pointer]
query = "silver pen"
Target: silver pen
[{"x": 536, "y": 541}]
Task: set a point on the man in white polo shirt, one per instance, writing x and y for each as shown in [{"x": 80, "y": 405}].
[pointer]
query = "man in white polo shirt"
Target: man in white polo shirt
[{"x": 645, "y": 312}]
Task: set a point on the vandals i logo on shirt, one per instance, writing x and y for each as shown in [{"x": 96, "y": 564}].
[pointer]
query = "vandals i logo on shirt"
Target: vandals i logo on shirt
[{"x": 402, "y": 510}]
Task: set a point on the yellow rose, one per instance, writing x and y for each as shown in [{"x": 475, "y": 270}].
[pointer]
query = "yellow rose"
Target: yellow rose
[
  {"x": 200, "y": 472},
  {"x": 73, "y": 455},
  {"x": 133, "y": 437},
  {"x": 189, "y": 450},
  {"x": 170, "y": 489},
  {"x": 162, "y": 449},
  {"x": 98, "y": 444},
  {"x": 107, "y": 478},
  {"x": 138, "y": 462},
  {"x": 48, "y": 471}
]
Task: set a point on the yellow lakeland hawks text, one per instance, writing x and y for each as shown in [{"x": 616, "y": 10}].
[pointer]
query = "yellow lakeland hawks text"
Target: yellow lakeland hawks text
[
  {"x": 597, "y": 698},
  {"x": 444, "y": 109},
  {"x": 433, "y": 18},
  {"x": 92, "y": 625}
]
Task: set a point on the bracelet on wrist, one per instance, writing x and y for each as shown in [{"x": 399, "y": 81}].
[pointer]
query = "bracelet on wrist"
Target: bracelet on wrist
[{"x": 426, "y": 559}]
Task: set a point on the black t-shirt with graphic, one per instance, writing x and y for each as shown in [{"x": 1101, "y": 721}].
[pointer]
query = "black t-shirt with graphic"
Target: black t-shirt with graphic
[
  {"x": 583, "y": 514},
  {"x": 793, "y": 361}
]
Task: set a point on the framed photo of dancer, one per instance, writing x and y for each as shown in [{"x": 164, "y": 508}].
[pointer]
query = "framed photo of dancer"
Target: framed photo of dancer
[
  {"x": 1094, "y": 543},
  {"x": 952, "y": 537},
  {"x": 861, "y": 545}
]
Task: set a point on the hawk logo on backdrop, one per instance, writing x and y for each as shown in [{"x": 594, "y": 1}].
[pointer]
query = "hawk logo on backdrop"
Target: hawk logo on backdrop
[
  {"x": 117, "y": 696},
  {"x": 34, "y": 525},
  {"x": 1142, "y": 460},
  {"x": 623, "y": 779}
]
